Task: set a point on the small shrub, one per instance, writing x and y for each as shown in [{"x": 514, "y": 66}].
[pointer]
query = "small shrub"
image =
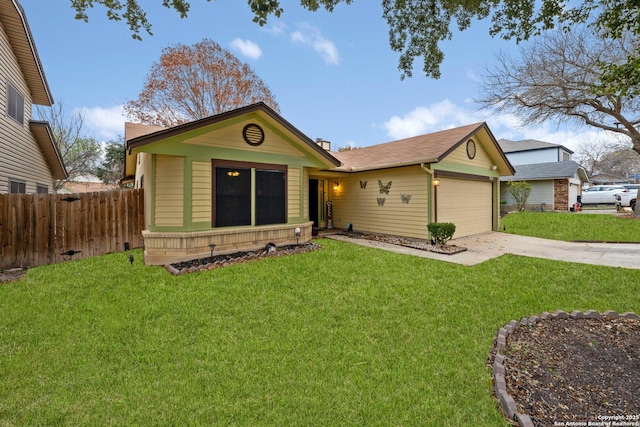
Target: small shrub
[
  {"x": 520, "y": 190},
  {"x": 441, "y": 232}
]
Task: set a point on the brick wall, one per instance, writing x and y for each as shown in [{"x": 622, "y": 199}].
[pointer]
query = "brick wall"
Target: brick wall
[{"x": 561, "y": 194}]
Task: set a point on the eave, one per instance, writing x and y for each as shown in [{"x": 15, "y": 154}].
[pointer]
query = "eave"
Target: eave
[
  {"x": 44, "y": 137},
  {"x": 15, "y": 25}
]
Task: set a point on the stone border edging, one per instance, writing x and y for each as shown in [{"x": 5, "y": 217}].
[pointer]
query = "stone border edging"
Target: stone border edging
[{"x": 507, "y": 403}]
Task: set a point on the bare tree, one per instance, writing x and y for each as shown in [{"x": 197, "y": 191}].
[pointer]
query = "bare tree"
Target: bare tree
[
  {"x": 557, "y": 77},
  {"x": 79, "y": 152},
  {"x": 608, "y": 158},
  {"x": 194, "y": 82}
]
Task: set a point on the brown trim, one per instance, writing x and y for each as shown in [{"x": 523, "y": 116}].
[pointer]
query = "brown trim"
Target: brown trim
[
  {"x": 197, "y": 124},
  {"x": 435, "y": 203},
  {"x": 484, "y": 126},
  {"x": 250, "y": 165},
  {"x": 247, "y": 165},
  {"x": 458, "y": 175},
  {"x": 502, "y": 153},
  {"x": 463, "y": 140}
]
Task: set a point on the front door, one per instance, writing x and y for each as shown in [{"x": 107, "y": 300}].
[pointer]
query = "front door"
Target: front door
[
  {"x": 313, "y": 202},
  {"x": 317, "y": 203}
]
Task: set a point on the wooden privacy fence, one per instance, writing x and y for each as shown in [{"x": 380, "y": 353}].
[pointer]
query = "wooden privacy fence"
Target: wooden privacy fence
[{"x": 39, "y": 229}]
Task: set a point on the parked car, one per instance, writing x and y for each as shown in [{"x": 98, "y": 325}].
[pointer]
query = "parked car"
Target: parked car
[
  {"x": 601, "y": 194},
  {"x": 628, "y": 197}
]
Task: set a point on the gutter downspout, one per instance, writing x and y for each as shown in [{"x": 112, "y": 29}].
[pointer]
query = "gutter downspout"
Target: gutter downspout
[{"x": 431, "y": 193}]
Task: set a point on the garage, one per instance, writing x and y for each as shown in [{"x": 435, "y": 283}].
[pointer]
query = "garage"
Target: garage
[{"x": 467, "y": 203}]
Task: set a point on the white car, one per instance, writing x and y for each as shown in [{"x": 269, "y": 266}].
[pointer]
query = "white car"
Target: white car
[
  {"x": 601, "y": 194},
  {"x": 628, "y": 197}
]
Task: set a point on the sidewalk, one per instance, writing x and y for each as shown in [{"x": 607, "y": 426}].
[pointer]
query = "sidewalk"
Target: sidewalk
[{"x": 486, "y": 246}]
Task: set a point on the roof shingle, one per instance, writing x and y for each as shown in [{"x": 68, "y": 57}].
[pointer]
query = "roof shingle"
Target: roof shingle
[{"x": 429, "y": 148}]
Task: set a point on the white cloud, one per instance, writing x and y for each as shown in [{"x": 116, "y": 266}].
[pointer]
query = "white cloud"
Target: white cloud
[
  {"x": 435, "y": 117},
  {"x": 445, "y": 115},
  {"x": 104, "y": 124},
  {"x": 310, "y": 36},
  {"x": 247, "y": 48},
  {"x": 276, "y": 29}
]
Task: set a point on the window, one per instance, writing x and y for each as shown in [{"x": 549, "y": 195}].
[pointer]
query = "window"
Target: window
[
  {"x": 233, "y": 197},
  {"x": 15, "y": 104},
  {"x": 16, "y": 186},
  {"x": 249, "y": 194},
  {"x": 566, "y": 156},
  {"x": 42, "y": 189},
  {"x": 270, "y": 197}
]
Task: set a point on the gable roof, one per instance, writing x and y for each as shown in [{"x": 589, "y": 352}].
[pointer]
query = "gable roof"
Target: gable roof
[
  {"x": 429, "y": 148},
  {"x": 527, "y": 145},
  {"x": 540, "y": 171},
  {"x": 141, "y": 135},
  {"x": 15, "y": 25}
]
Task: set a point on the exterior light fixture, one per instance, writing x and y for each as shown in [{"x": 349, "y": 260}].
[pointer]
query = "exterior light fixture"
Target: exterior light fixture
[
  {"x": 212, "y": 246},
  {"x": 233, "y": 173},
  {"x": 298, "y": 232},
  {"x": 436, "y": 182},
  {"x": 336, "y": 185}
]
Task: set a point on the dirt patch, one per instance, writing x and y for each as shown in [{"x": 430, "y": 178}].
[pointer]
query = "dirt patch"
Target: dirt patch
[
  {"x": 12, "y": 275},
  {"x": 408, "y": 242},
  {"x": 224, "y": 260},
  {"x": 575, "y": 371}
]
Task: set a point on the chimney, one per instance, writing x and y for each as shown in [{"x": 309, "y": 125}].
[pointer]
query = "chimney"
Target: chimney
[{"x": 326, "y": 145}]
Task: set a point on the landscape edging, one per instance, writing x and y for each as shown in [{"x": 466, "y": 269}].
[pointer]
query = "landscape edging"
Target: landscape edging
[{"x": 507, "y": 403}]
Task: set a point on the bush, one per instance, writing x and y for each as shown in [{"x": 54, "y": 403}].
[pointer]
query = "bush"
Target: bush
[
  {"x": 520, "y": 190},
  {"x": 441, "y": 232}
]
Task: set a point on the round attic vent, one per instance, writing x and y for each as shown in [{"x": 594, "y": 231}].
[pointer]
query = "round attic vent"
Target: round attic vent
[{"x": 253, "y": 134}]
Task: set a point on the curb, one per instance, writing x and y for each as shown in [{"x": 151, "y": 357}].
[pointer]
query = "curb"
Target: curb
[{"x": 507, "y": 403}]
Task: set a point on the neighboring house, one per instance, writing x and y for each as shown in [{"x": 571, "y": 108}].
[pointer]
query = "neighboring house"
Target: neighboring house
[
  {"x": 86, "y": 184},
  {"x": 531, "y": 151},
  {"x": 245, "y": 178},
  {"x": 602, "y": 179},
  {"x": 29, "y": 158},
  {"x": 556, "y": 179},
  {"x": 555, "y": 185}
]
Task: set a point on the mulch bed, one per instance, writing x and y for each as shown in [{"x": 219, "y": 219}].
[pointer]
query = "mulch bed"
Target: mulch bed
[
  {"x": 224, "y": 260},
  {"x": 575, "y": 371},
  {"x": 419, "y": 244}
]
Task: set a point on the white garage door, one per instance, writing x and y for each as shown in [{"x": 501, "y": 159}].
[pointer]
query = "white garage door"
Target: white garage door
[{"x": 467, "y": 204}]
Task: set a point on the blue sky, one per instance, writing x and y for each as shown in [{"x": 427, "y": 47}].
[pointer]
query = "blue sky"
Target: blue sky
[{"x": 333, "y": 74}]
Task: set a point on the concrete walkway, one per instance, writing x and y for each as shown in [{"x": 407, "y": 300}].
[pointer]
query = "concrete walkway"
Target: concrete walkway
[{"x": 486, "y": 246}]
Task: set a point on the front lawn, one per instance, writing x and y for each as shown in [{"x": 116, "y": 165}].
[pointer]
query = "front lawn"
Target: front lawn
[
  {"x": 569, "y": 226},
  {"x": 346, "y": 335}
]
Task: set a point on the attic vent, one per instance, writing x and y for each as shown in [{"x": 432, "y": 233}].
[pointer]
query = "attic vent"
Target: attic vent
[{"x": 253, "y": 134}]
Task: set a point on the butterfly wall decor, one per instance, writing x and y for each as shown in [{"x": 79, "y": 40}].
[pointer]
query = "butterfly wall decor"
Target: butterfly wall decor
[
  {"x": 363, "y": 184},
  {"x": 405, "y": 198},
  {"x": 384, "y": 189},
  {"x": 381, "y": 201}
]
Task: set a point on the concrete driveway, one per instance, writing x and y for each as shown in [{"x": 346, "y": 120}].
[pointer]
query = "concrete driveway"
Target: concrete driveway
[{"x": 486, "y": 246}]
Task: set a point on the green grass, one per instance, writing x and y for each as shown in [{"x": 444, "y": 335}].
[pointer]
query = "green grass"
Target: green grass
[
  {"x": 346, "y": 335},
  {"x": 573, "y": 226}
]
